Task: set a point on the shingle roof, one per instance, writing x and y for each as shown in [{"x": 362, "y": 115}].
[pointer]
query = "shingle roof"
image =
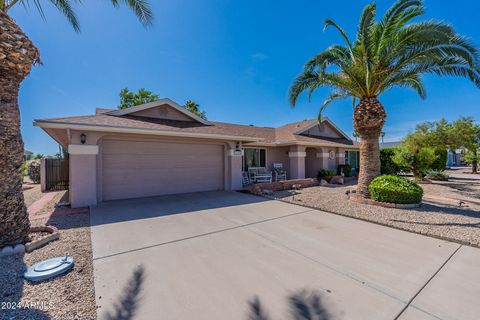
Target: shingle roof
[{"x": 281, "y": 135}]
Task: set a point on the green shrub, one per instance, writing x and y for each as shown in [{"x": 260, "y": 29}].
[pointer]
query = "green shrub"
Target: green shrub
[
  {"x": 326, "y": 173},
  {"x": 417, "y": 160},
  {"x": 438, "y": 175},
  {"x": 387, "y": 165},
  {"x": 440, "y": 161},
  {"x": 24, "y": 168},
  {"x": 394, "y": 189},
  {"x": 347, "y": 170}
]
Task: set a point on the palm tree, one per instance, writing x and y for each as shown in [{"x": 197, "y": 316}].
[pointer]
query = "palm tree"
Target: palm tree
[
  {"x": 194, "y": 108},
  {"x": 386, "y": 53},
  {"x": 17, "y": 55}
]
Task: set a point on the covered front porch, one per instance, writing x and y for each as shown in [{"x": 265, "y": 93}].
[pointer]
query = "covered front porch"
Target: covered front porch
[{"x": 298, "y": 161}]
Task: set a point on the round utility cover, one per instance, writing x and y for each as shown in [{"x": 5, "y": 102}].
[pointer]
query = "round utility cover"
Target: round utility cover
[{"x": 49, "y": 268}]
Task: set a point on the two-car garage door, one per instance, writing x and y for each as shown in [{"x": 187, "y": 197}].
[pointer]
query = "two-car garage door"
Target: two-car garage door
[{"x": 142, "y": 168}]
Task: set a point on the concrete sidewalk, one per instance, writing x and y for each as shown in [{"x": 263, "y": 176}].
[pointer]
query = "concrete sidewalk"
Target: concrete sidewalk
[{"x": 225, "y": 255}]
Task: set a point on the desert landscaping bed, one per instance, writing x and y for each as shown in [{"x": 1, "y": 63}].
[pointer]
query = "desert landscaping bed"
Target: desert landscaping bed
[
  {"x": 70, "y": 296},
  {"x": 444, "y": 218}
]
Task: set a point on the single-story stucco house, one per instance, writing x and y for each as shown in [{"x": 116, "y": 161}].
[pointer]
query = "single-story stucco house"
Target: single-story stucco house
[{"x": 160, "y": 148}]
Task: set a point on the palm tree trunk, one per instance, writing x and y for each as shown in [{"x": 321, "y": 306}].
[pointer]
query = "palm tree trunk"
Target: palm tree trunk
[
  {"x": 15, "y": 224},
  {"x": 17, "y": 55},
  {"x": 368, "y": 119}
]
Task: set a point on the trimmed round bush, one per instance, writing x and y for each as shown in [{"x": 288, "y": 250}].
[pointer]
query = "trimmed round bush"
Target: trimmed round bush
[{"x": 395, "y": 189}]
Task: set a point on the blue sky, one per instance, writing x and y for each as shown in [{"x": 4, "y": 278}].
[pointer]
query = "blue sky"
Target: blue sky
[{"x": 236, "y": 58}]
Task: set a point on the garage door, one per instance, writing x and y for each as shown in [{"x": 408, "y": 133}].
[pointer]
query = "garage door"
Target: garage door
[{"x": 133, "y": 169}]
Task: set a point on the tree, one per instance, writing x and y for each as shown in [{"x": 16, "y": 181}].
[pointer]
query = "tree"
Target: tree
[
  {"x": 387, "y": 165},
  {"x": 467, "y": 132},
  {"x": 391, "y": 52},
  {"x": 193, "y": 107},
  {"x": 415, "y": 155},
  {"x": 17, "y": 56},
  {"x": 131, "y": 99},
  {"x": 441, "y": 136}
]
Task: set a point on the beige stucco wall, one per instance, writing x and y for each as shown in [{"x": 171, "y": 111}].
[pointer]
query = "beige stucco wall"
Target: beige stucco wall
[
  {"x": 313, "y": 162},
  {"x": 278, "y": 155}
]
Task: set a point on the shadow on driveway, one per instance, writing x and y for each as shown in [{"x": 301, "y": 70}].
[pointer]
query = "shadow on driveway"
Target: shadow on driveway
[
  {"x": 303, "y": 305},
  {"x": 144, "y": 208},
  {"x": 127, "y": 306}
]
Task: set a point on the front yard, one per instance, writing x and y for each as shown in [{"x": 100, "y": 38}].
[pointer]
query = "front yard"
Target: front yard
[
  {"x": 441, "y": 213},
  {"x": 70, "y": 296}
]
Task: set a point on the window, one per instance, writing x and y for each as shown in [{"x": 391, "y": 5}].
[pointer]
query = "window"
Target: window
[
  {"x": 351, "y": 157},
  {"x": 254, "y": 158}
]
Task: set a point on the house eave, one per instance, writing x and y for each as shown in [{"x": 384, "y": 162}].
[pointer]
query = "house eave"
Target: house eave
[
  {"x": 158, "y": 103},
  {"x": 299, "y": 132},
  {"x": 300, "y": 143},
  {"x": 115, "y": 129}
]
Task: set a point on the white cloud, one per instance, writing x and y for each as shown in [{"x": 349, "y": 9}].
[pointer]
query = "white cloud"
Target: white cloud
[{"x": 259, "y": 56}]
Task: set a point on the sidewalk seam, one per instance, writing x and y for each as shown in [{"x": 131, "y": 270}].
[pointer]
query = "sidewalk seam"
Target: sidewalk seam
[
  {"x": 426, "y": 283},
  {"x": 200, "y": 235}
]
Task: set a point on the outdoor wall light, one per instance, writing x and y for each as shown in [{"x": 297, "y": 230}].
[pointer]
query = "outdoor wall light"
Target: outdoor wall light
[
  {"x": 83, "y": 138},
  {"x": 238, "y": 150}
]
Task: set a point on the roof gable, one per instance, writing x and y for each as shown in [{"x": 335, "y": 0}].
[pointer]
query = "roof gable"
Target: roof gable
[
  {"x": 325, "y": 129},
  {"x": 160, "y": 109}
]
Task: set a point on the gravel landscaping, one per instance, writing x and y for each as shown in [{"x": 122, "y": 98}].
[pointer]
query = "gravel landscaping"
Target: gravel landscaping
[
  {"x": 60, "y": 197},
  {"x": 70, "y": 296},
  {"x": 435, "y": 217},
  {"x": 31, "y": 193}
]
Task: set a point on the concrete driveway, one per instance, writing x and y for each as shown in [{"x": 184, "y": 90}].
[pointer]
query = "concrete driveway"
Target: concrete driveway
[{"x": 227, "y": 255}]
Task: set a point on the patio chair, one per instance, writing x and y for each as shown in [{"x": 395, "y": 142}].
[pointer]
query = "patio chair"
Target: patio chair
[
  {"x": 280, "y": 174},
  {"x": 245, "y": 179}
]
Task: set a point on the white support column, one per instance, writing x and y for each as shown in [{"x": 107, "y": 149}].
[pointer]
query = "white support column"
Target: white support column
[
  {"x": 341, "y": 156},
  {"x": 83, "y": 175},
  {"x": 297, "y": 163},
  {"x": 324, "y": 158},
  {"x": 234, "y": 164}
]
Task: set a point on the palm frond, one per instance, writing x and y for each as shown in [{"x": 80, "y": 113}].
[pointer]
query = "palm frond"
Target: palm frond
[
  {"x": 365, "y": 26},
  {"x": 334, "y": 96},
  {"x": 65, "y": 7},
  {"x": 302, "y": 82},
  {"x": 141, "y": 8},
  {"x": 329, "y": 23}
]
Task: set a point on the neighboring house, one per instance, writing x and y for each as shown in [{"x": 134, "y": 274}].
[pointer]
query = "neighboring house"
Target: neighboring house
[
  {"x": 161, "y": 148},
  {"x": 454, "y": 159},
  {"x": 27, "y": 154}
]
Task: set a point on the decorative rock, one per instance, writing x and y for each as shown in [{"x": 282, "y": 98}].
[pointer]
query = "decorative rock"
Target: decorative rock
[
  {"x": 323, "y": 183},
  {"x": 267, "y": 192},
  {"x": 337, "y": 180},
  {"x": 6, "y": 251},
  {"x": 19, "y": 248}
]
